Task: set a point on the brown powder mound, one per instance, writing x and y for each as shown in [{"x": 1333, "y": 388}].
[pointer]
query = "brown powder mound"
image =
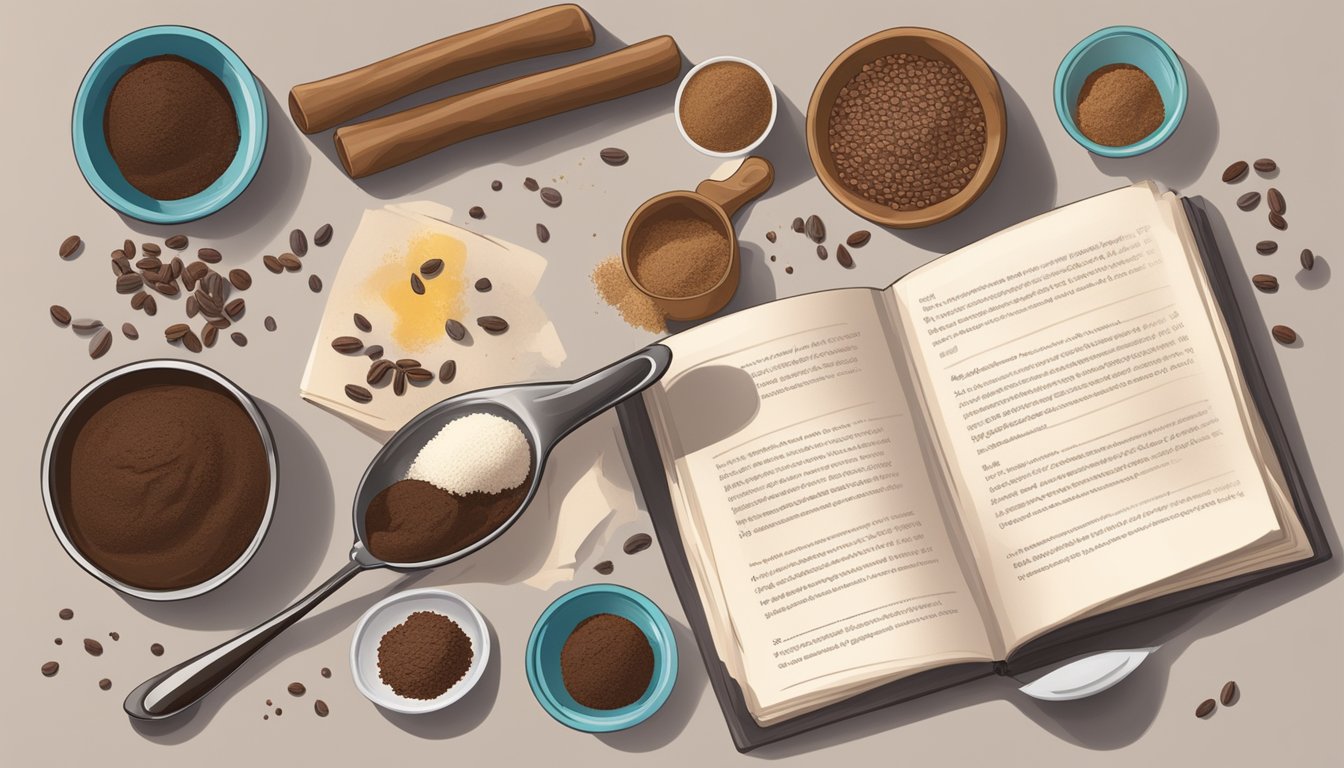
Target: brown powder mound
[
  {"x": 166, "y": 486},
  {"x": 679, "y": 257},
  {"x": 412, "y": 521},
  {"x": 171, "y": 127},
  {"x": 636, "y": 308},
  {"x": 1119, "y": 105},
  {"x": 424, "y": 655},
  {"x": 607, "y": 662},
  {"x": 725, "y": 107}
]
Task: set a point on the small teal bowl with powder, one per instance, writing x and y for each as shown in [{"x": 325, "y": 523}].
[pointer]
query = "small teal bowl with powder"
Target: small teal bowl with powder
[
  {"x": 554, "y": 627},
  {"x": 1122, "y": 45},
  {"x": 90, "y": 145}
]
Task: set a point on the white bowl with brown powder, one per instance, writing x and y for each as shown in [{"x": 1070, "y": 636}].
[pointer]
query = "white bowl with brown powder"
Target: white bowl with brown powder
[{"x": 726, "y": 106}]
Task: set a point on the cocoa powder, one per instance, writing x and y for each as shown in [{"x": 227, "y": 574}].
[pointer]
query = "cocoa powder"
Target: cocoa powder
[
  {"x": 424, "y": 656},
  {"x": 412, "y": 521},
  {"x": 607, "y": 662}
]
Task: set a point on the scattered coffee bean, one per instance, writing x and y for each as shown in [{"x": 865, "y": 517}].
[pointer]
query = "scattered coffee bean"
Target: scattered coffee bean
[
  {"x": 1265, "y": 165},
  {"x": 206, "y": 303},
  {"x": 484, "y": 285},
  {"x": 105, "y": 684},
  {"x": 50, "y": 668},
  {"x": 1248, "y": 201},
  {"x": 1228, "y": 694},
  {"x": 321, "y": 708},
  {"x": 358, "y": 393},
  {"x": 236, "y": 308},
  {"x": 347, "y": 345},
  {"x": 1266, "y": 283},
  {"x": 85, "y": 324},
  {"x": 476, "y": 212},
  {"x": 129, "y": 283},
  {"x": 139, "y": 299},
  {"x": 60, "y": 315},
  {"x": 192, "y": 342},
  {"x": 273, "y": 264},
  {"x": 59, "y": 641},
  {"x": 114, "y": 635},
  {"x": 1308, "y": 259},
  {"x": 1266, "y": 247},
  {"x": 1235, "y": 171},
  {"x": 297, "y": 689},
  {"x": 447, "y": 371},
  {"x": 176, "y": 242},
  {"x": 175, "y": 267},
  {"x": 269, "y": 323},
  {"x": 151, "y": 305},
  {"x": 398, "y": 382},
  {"x": 219, "y": 323},
  {"x": 379, "y": 372},
  {"x": 1283, "y": 334},
  {"x": 637, "y": 543},
  {"x": 543, "y": 234},
  {"x": 614, "y": 156},
  {"x": 167, "y": 289},
  {"x": 771, "y": 236},
  {"x": 279, "y": 711},
  {"x": 314, "y": 283},
  {"x": 208, "y": 255},
  {"x": 788, "y": 270},
  {"x": 551, "y": 196},
  {"x": 772, "y": 257},
  {"x": 821, "y": 252},
  {"x": 798, "y": 224},
  {"x": 290, "y": 262},
  {"x": 842, "y": 256},
  {"x": 417, "y": 285},
  {"x": 238, "y": 338},
  {"x": 858, "y": 239},
  {"x": 455, "y": 330},
  {"x": 129, "y": 331},
  {"x": 374, "y": 351},
  {"x": 147, "y": 263},
  {"x": 93, "y": 647},
  {"x": 431, "y": 267},
  {"x": 100, "y": 343},
  {"x": 815, "y": 229},
  {"x": 121, "y": 266},
  {"x": 150, "y": 249},
  {"x": 1276, "y": 202},
  {"x": 530, "y": 184},
  {"x": 419, "y": 375},
  {"x": 240, "y": 279},
  {"x": 496, "y": 185},
  {"x": 156, "y": 649},
  {"x": 1277, "y": 221},
  {"x": 322, "y": 236},
  {"x": 407, "y": 363},
  {"x": 66, "y": 614},
  {"x": 209, "y": 335},
  {"x": 605, "y": 567},
  {"x": 69, "y": 245},
  {"x": 326, "y": 672},
  {"x": 298, "y": 242},
  {"x": 1207, "y": 706},
  {"x": 492, "y": 324}
]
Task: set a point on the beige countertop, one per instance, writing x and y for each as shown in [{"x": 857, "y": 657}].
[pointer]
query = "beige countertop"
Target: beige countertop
[{"x": 1260, "y": 86}]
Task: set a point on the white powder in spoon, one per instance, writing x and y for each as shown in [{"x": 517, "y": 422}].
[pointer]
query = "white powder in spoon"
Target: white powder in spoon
[{"x": 480, "y": 452}]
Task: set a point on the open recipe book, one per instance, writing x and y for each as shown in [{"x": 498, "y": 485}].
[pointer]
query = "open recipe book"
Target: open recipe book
[{"x": 866, "y": 495}]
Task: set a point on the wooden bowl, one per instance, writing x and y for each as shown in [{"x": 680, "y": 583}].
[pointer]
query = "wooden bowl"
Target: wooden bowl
[{"x": 930, "y": 44}]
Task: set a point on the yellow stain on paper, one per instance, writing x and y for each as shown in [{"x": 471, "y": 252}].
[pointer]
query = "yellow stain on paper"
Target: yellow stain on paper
[{"x": 418, "y": 319}]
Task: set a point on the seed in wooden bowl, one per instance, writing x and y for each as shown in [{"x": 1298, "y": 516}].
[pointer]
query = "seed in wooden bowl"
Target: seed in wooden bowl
[
  {"x": 1283, "y": 334},
  {"x": 322, "y": 236},
  {"x": 358, "y": 393},
  {"x": 69, "y": 245},
  {"x": 346, "y": 345},
  {"x": 1235, "y": 171}
]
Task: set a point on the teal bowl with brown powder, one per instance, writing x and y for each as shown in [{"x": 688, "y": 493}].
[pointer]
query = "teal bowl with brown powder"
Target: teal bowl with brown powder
[{"x": 210, "y": 60}]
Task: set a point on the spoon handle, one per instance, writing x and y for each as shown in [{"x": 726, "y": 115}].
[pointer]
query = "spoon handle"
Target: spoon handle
[
  {"x": 559, "y": 412},
  {"x": 173, "y": 690}
]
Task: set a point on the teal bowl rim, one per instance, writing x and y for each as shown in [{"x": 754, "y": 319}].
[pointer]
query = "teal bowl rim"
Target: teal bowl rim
[
  {"x": 254, "y": 142},
  {"x": 1153, "y": 140},
  {"x": 662, "y": 690}
]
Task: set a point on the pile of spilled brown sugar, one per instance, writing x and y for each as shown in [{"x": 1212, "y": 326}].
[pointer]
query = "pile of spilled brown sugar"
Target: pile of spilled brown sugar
[
  {"x": 606, "y": 662},
  {"x": 424, "y": 656},
  {"x": 680, "y": 256},
  {"x": 636, "y": 308}
]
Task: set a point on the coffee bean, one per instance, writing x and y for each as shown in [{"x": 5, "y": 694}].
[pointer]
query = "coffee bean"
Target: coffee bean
[
  {"x": 496, "y": 185},
  {"x": 176, "y": 242},
  {"x": 207, "y": 304},
  {"x": 398, "y": 382},
  {"x": 1235, "y": 171},
  {"x": 1248, "y": 201},
  {"x": 419, "y": 375},
  {"x": 543, "y": 234},
  {"x": 60, "y": 315},
  {"x": 240, "y": 279},
  {"x": 417, "y": 285},
  {"x": 605, "y": 567},
  {"x": 322, "y": 236},
  {"x": 798, "y": 224},
  {"x": 1228, "y": 694},
  {"x": 358, "y": 393},
  {"x": 121, "y": 266},
  {"x": 1283, "y": 334},
  {"x": 297, "y": 689},
  {"x": 431, "y": 267},
  {"x": 85, "y": 324},
  {"x": 238, "y": 338},
  {"x": 1265, "y": 165},
  {"x": 156, "y": 649},
  {"x": 321, "y": 708},
  {"x": 530, "y": 184},
  {"x": 129, "y": 283},
  {"x": 100, "y": 343},
  {"x": 139, "y": 299},
  {"x": 771, "y": 236},
  {"x": 406, "y": 363},
  {"x": 614, "y": 156},
  {"x": 1308, "y": 259},
  {"x": 326, "y": 672},
  {"x": 1277, "y": 221},
  {"x": 858, "y": 239},
  {"x": 93, "y": 647},
  {"x": 208, "y": 255},
  {"x": 447, "y": 371},
  {"x": 1276, "y": 202},
  {"x": 66, "y": 614},
  {"x": 492, "y": 323},
  {"x": 269, "y": 323},
  {"x": 1206, "y": 706},
  {"x": 235, "y": 308},
  {"x": 815, "y": 229},
  {"x": 379, "y": 371},
  {"x": 551, "y": 196},
  {"x": 842, "y": 256},
  {"x": 151, "y": 306},
  {"x": 278, "y": 711},
  {"x": 821, "y": 252},
  {"x": 272, "y": 263},
  {"x": 148, "y": 263},
  {"x": 50, "y": 669},
  {"x": 69, "y": 245},
  {"x": 130, "y": 331},
  {"x": 1266, "y": 283},
  {"x": 484, "y": 285},
  {"x": 1266, "y": 247},
  {"x": 637, "y": 543},
  {"x": 105, "y": 684},
  {"x": 476, "y": 212},
  {"x": 374, "y": 351},
  {"x": 209, "y": 335},
  {"x": 455, "y": 330},
  {"x": 128, "y": 246},
  {"x": 175, "y": 267},
  {"x": 192, "y": 342},
  {"x": 219, "y": 323},
  {"x": 150, "y": 249},
  {"x": 298, "y": 242},
  {"x": 290, "y": 262},
  {"x": 314, "y": 283},
  {"x": 167, "y": 289},
  {"x": 788, "y": 270},
  {"x": 192, "y": 307},
  {"x": 346, "y": 345}
]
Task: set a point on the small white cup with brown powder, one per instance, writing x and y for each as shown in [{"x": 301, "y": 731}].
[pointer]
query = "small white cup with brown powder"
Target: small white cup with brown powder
[{"x": 726, "y": 106}]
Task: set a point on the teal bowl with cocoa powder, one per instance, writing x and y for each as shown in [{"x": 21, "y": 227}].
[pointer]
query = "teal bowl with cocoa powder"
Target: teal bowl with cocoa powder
[
  {"x": 90, "y": 146},
  {"x": 1122, "y": 45}
]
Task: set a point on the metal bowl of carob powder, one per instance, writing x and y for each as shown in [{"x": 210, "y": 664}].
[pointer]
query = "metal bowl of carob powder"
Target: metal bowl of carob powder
[{"x": 907, "y": 127}]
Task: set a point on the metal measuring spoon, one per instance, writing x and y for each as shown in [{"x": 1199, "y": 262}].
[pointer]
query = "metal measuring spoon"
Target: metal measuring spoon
[{"x": 545, "y": 413}]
